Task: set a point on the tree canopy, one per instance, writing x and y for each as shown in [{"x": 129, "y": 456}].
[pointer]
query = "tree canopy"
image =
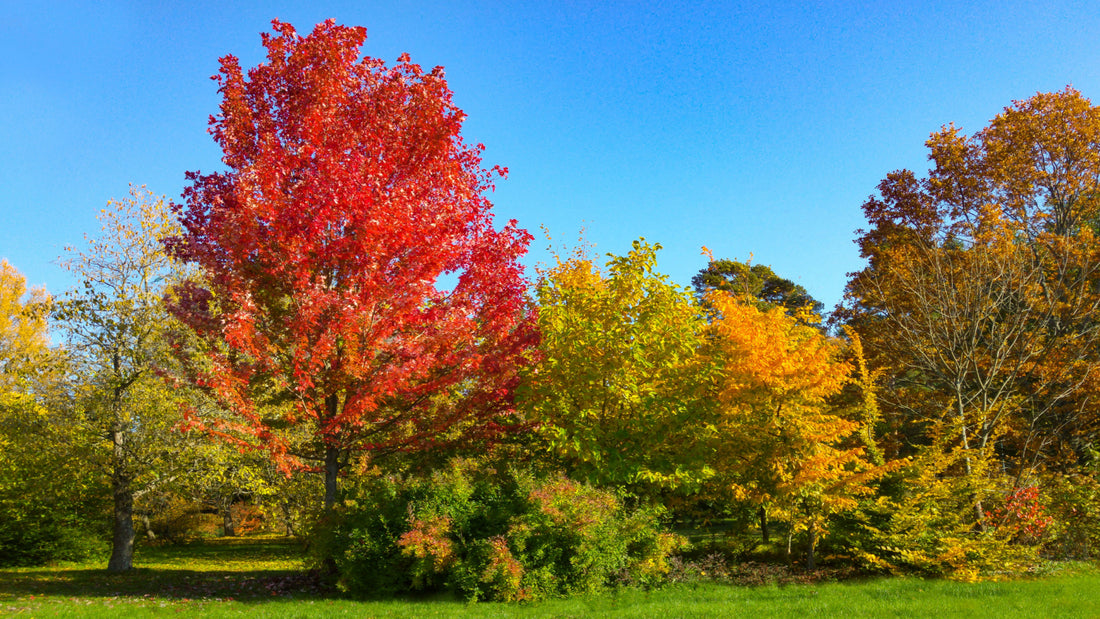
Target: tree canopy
[
  {"x": 328, "y": 250},
  {"x": 755, "y": 280}
]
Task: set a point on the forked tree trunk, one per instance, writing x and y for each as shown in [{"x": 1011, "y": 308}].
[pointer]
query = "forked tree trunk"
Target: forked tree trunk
[
  {"x": 979, "y": 511},
  {"x": 149, "y": 533},
  {"x": 122, "y": 540}
]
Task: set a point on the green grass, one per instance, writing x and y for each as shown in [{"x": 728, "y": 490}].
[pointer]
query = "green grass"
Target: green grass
[{"x": 260, "y": 577}]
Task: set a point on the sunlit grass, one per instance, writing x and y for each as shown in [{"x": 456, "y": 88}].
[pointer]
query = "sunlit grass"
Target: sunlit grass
[{"x": 261, "y": 576}]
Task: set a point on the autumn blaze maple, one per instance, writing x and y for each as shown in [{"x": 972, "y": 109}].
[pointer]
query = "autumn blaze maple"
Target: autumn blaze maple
[{"x": 349, "y": 193}]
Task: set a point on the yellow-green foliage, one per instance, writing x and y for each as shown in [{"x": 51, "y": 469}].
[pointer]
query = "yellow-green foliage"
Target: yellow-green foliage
[
  {"x": 616, "y": 391},
  {"x": 941, "y": 523}
]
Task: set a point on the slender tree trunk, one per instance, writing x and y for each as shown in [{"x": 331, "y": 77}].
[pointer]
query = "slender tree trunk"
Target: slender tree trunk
[
  {"x": 811, "y": 558},
  {"x": 286, "y": 519},
  {"x": 122, "y": 541},
  {"x": 979, "y": 511},
  {"x": 332, "y": 457},
  {"x": 764, "y": 524}
]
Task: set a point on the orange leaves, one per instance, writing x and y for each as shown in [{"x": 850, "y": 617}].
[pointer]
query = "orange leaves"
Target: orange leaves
[
  {"x": 773, "y": 352},
  {"x": 981, "y": 288},
  {"x": 779, "y": 441}
]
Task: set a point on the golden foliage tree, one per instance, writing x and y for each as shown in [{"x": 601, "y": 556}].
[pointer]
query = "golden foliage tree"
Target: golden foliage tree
[
  {"x": 118, "y": 330},
  {"x": 778, "y": 441}
]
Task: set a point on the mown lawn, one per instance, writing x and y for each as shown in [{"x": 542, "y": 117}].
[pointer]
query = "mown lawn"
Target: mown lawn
[{"x": 260, "y": 576}]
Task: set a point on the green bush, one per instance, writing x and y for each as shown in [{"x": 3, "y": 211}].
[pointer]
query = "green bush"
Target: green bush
[
  {"x": 928, "y": 525},
  {"x": 53, "y": 501},
  {"x": 35, "y": 537},
  {"x": 488, "y": 533}
]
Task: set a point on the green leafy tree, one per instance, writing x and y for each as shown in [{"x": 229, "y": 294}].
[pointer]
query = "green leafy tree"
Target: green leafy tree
[
  {"x": 50, "y": 503},
  {"x": 757, "y": 281}
]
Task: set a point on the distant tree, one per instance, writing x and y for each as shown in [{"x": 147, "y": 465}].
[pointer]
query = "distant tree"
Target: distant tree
[
  {"x": 24, "y": 344},
  {"x": 349, "y": 261},
  {"x": 755, "y": 280}
]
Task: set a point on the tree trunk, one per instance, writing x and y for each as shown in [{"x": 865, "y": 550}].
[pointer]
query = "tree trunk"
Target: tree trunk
[
  {"x": 790, "y": 540},
  {"x": 332, "y": 456},
  {"x": 287, "y": 520},
  {"x": 978, "y": 509},
  {"x": 228, "y": 527},
  {"x": 122, "y": 541},
  {"x": 764, "y": 524},
  {"x": 149, "y": 533},
  {"x": 811, "y": 560},
  {"x": 332, "y": 470}
]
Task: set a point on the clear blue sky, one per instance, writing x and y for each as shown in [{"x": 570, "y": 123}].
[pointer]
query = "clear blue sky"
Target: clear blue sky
[{"x": 748, "y": 127}]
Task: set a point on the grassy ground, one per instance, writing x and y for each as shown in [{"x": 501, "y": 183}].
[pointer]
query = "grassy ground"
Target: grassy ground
[{"x": 258, "y": 576}]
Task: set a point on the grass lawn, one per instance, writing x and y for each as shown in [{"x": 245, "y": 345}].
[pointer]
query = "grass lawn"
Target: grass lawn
[{"x": 258, "y": 576}]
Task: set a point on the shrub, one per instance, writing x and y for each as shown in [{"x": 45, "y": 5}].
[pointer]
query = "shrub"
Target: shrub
[
  {"x": 177, "y": 520},
  {"x": 931, "y": 526},
  {"x": 1073, "y": 502},
  {"x": 489, "y": 533},
  {"x": 40, "y": 539}
]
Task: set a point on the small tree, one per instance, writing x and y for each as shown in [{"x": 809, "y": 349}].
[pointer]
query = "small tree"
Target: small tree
[
  {"x": 117, "y": 330},
  {"x": 777, "y": 439}
]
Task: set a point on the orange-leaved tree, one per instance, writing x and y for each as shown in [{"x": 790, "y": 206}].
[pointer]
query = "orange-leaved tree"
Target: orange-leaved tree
[
  {"x": 350, "y": 265},
  {"x": 979, "y": 303},
  {"x": 778, "y": 441}
]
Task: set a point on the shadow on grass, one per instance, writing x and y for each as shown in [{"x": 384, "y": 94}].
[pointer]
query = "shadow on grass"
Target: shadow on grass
[
  {"x": 242, "y": 569},
  {"x": 164, "y": 583}
]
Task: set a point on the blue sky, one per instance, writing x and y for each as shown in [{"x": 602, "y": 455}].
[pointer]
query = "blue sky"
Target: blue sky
[{"x": 749, "y": 127}]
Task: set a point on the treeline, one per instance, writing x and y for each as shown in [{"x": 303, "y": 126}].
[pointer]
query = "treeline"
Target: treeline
[{"x": 280, "y": 344}]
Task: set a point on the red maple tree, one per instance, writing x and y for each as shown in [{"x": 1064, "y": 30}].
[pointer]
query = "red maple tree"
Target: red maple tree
[{"x": 349, "y": 193}]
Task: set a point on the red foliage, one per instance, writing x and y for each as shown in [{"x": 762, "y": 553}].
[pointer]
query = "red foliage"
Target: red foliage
[
  {"x": 1022, "y": 517},
  {"x": 349, "y": 193}
]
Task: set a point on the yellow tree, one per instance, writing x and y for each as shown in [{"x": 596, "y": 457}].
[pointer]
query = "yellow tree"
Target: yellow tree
[
  {"x": 615, "y": 391},
  {"x": 118, "y": 330},
  {"x": 24, "y": 344},
  {"x": 49, "y": 503},
  {"x": 777, "y": 440}
]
